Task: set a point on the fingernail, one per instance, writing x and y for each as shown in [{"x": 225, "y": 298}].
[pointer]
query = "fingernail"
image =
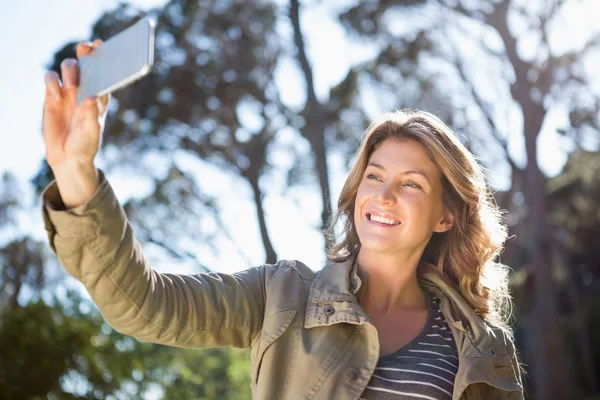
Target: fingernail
[{"x": 50, "y": 76}]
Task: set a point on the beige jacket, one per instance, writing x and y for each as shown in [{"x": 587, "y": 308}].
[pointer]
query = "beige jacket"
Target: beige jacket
[{"x": 309, "y": 337}]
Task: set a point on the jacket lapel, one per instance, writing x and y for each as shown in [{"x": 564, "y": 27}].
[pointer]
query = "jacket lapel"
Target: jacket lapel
[
  {"x": 460, "y": 314},
  {"x": 332, "y": 296},
  {"x": 332, "y": 299},
  {"x": 484, "y": 350}
]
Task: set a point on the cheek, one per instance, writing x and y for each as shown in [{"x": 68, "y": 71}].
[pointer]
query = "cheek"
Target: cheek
[
  {"x": 415, "y": 201},
  {"x": 358, "y": 201},
  {"x": 357, "y": 207},
  {"x": 415, "y": 205},
  {"x": 364, "y": 191},
  {"x": 423, "y": 211}
]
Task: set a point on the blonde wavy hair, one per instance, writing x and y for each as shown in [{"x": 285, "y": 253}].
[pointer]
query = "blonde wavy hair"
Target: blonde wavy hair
[{"x": 466, "y": 255}]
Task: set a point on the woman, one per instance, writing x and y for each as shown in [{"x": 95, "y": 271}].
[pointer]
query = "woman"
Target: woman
[{"x": 412, "y": 304}]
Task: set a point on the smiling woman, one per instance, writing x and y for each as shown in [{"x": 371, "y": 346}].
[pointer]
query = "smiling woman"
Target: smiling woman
[
  {"x": 401, "y": 311},
  {"x": 416, "y": 204},
  {"x": 414, "y": 164}
]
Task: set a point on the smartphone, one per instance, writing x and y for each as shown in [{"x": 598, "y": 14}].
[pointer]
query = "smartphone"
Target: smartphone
[{"x": 121, "y": 60}]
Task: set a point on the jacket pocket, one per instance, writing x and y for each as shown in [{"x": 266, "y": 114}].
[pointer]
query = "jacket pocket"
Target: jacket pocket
[{"x": 273, "y": 327}]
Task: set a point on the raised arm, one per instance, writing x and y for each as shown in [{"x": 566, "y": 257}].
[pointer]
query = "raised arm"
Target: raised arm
[
  {"x": 88, "y": 230},
  {"x": 96, "y": 244}
]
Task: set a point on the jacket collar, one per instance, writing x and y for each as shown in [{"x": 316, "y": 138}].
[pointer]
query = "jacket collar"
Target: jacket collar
[
  {"x": 333, "y": 299},
  {"x": 337, "y": 281},
  {"x": 332, "y": 296}
]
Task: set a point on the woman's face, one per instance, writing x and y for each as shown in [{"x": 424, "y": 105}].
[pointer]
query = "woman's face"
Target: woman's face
[{"x": 399, "y": 200}]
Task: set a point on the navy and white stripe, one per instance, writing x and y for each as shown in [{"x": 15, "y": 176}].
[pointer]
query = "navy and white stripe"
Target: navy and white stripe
[{"x": 423, "y": 369}]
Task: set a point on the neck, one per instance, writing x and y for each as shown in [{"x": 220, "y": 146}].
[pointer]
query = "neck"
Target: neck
[{"x": 392, "y": 282}]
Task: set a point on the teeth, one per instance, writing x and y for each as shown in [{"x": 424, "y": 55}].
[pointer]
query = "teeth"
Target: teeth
[{"x": 377, "y": 218}]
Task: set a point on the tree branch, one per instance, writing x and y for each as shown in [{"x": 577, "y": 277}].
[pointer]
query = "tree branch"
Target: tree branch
[
  {"x": 299, "y": 41},
  {"x": 316, "y": 116},
  {"x": 484, "y": 107}
]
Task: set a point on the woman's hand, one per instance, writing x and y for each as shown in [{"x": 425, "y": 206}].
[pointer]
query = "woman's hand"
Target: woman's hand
[{"x": 72, "y": 133}]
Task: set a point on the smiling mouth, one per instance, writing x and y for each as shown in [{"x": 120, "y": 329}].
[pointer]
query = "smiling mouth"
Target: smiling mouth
[{"x": 382, "y": 220}]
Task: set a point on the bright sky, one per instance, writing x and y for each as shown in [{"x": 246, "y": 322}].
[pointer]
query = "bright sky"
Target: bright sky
[{"x": 32, "y": 30}]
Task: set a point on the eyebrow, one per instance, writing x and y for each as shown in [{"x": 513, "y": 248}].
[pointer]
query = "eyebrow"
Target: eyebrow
[{"x": 411, "y": 172}]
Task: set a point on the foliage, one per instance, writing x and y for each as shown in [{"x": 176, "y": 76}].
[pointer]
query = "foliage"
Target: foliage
[
  {"x": 212, "y": 100},
  {"x": 58, "y": 351}
]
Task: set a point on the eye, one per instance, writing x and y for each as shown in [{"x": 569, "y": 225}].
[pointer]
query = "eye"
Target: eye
[
  {"x": 373, "y": 177},
  {"x": 413, "y": 185}
]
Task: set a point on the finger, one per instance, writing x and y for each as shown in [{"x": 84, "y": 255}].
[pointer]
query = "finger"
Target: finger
[
  {"x": 83, "y": 48},
  {"x": 53, "y": 88},
  {"x": 103, "y": 104},
  {"x": 70, "y": 73}
]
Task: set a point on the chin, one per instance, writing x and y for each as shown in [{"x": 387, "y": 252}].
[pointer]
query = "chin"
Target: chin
[{"x": 372, "y": 244}]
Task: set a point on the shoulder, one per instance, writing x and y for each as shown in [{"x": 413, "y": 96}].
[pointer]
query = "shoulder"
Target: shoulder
[
  {"x": 288, "y": 269},
  {"x": 287, "y": 285},
  {"x": 482, "y": 332},
  {"x": 501, "y": 335}
]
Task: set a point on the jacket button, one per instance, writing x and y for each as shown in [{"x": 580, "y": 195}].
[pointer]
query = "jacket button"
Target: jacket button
[
  {"x": 329, "y": 310},
  {"x": 352, "y": 376}
]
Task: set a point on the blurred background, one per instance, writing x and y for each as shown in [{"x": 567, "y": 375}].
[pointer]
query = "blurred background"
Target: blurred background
[{"x": 245, "y": 127}]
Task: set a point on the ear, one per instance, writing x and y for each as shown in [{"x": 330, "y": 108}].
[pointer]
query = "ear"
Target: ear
[{"x": 445, "y": 223}]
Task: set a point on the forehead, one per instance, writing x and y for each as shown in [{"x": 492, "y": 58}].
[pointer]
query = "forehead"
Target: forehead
[
  {"x": 400, "y": 156},
  {"x": 400, "y": 153}
]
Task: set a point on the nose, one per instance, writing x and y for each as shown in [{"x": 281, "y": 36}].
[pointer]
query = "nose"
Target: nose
[{"x": 386, "y": 195}]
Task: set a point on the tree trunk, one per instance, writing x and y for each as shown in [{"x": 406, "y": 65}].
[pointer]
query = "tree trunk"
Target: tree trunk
[
  {"x": 551, "y": 361},
  {"x": 316, "y": 129},
  {"x": 315, "y": 116},
  {"x": 551, "y": 358},
  {"x": 576, "y": 306},
  {"x": 271, "y": 256}
]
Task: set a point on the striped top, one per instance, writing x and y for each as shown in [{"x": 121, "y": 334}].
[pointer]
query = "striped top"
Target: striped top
[{"x": 423, "y": 369}]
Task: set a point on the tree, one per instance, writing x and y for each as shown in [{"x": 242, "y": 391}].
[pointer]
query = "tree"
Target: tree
[
  {"x": 55, "y": 344},
  {"x": 573, "y": 197},
  {"x": 445, "y": 60},
  {"x": 57, "y": 351},
  {"x": 212, "y": 100},
  {"x": 213, "y": 67}
]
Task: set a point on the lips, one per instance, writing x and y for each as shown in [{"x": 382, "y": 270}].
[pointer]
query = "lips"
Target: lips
[{"x": 382, "y": 218}]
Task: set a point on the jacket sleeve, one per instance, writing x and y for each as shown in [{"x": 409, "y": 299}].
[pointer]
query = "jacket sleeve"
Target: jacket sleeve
[{"x": 95, "y": 243}]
